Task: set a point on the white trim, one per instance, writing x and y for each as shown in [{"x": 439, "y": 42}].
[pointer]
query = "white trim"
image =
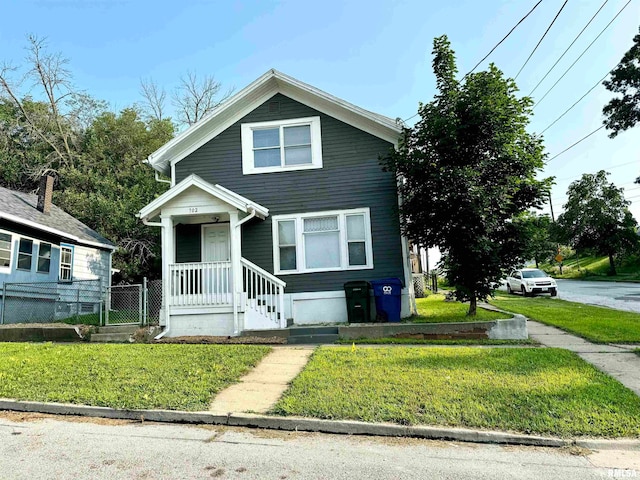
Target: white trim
[
  {"x": 11, "y": 250},
  {"x": 72, "y": 248},
  {"x": 246, "y": 130},
  {"x": 254, "y": 95},
  {"x": 342, "y": 226},
  {"x": 30, "y": 255},
  {"x": 227, "y": 196},
  {"x": 37, "y": 226}
]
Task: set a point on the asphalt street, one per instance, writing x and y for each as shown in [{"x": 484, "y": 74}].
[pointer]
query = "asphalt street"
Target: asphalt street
[
  {"x": 44, "y": 447},
  {"x": 619, "y": 295}
]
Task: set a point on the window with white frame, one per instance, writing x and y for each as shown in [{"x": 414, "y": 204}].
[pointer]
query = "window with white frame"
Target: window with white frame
[
  {"x": 66, "y": 263},
  {"x": 6, "y": 242},
  {"x": 25, "y": 254},
  {"x": 322, "y": 241},
  {"x": 44, "y": 258},
  {"x": 281, "y": 145}
]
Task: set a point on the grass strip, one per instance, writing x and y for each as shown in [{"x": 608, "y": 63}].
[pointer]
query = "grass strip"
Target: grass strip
[
  {"x": 597, "y": 324},
  {"x": 176, "y": 377},
  {"x": 433, "y": 309},
  {"x": 530, "y": 390},
  {"x": 426, "y": 341}
]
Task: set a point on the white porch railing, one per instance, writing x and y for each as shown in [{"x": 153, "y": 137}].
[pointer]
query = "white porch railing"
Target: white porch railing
[
  {"x": 200, "y": 284},
  {"x": 263, "y": 293}
]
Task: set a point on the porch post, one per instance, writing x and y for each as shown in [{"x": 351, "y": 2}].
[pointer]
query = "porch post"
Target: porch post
[
  {"x": 168, "y": 254},
  {"x": 236, "y": 270}
]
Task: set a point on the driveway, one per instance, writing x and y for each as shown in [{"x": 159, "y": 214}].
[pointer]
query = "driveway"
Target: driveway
[{"x": 618, "y": 295}]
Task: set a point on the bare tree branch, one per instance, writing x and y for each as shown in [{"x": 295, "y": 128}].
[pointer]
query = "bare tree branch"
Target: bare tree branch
[
  {"x": 195, "y": 98},
  {"x": 154, "y": 98}
]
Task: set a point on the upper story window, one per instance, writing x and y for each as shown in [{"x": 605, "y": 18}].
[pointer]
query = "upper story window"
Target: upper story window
[
  {"x": 6, "y": 243},
  {"x": 281, "y": 145},
  {"x": 66, "y": 263},
  {"x": 25, "y": 254},
  {"x": 322, "y": 241}
]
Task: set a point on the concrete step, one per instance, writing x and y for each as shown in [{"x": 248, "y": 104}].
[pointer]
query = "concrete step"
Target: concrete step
[
  {"x": 118, "y": 328},
  {"x": 111, "y": 337},
  {"x": 295, "y": 331},
  {"x": 312, "y": 339}
]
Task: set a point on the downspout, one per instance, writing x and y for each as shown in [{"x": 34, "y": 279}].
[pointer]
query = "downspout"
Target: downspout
[
  {"x": 166, "y": 314},
  {"x": 158, "y": 179},
  {"x": 241, "y": 222}
]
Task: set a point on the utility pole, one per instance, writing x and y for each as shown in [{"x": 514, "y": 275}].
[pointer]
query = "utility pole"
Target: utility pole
[{"x": 553, "y": 219}]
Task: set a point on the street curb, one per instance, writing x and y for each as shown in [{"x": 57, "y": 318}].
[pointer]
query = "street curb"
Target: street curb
[{"x": 298, "y": 424}]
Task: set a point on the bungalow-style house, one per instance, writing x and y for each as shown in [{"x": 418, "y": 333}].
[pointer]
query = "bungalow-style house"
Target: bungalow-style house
[
  {"x": 277, "y": 199},
  {"x": 39, "y": 242}
]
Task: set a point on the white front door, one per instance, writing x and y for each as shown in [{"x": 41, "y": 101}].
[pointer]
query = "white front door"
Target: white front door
[{"x": 216, "y": 246}]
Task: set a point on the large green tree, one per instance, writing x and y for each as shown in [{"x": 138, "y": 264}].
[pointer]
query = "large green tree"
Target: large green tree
[
  {"x": 537, "y": 237},
  {"x": 623, "y": 112},
  {"x": 596, "y": 217},
  {"x": 465, "y": 170},
  {"x": 109, "y": 184}
]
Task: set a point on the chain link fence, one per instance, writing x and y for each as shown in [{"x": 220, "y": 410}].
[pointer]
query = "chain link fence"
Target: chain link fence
[
  {"x": 81, "y": 301},
  {"x": 46, "y": 302}
]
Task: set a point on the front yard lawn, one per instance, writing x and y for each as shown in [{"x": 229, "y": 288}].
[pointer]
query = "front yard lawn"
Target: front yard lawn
[
  {"x": 176, "y": 377},
  {"x": 433, "y": 309},
  {"x": 597, "y": 324},
  {"x": 531, "y": 390}
]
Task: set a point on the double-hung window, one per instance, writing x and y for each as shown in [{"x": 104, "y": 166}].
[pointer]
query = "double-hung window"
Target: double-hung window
[
  {"x": 25, "y": 254},
  {"x": 6, "y": 242},
  {"x": 322, "y": 241},
  {"x": 66, "y": 263},
  {"x": 44, "y": 258},
  {"x": 281, "y": 145}
]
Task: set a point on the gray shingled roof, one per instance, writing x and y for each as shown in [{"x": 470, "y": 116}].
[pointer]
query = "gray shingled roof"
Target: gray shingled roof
[{"x": 23, "y": 206}]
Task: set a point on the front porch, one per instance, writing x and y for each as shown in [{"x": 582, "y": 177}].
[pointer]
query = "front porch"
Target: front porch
[{"x": 209, "y": 288}]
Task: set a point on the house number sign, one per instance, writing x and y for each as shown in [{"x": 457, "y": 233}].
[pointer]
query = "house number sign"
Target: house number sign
[{"x": 193, "y": 209}]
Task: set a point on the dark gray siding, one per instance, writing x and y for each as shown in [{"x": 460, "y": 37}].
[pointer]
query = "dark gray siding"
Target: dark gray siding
[{"x": 351, "y": 177}]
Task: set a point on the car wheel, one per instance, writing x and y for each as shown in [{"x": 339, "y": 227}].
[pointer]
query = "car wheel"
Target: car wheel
[
  {"x": 554, "y": 292},
  {"x": 509, "y": 291},
  {"x": 524, "y": 291}
]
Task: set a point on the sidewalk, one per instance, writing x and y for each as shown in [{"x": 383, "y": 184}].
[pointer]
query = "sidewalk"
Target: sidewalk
[
  {"x": 262, "y": 387},
  {"x": 619, "y": 361}
]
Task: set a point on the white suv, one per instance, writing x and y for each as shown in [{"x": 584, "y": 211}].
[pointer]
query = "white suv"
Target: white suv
[{"x": 530, "y": 281}]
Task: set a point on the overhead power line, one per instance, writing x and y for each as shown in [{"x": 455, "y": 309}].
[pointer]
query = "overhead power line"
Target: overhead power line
[
  {"x": 541, "y": 38},
  {"x": 503, "y": 39},
  {"x": 576, "y": 143},
  {"x": 583, "y": 52},
  {"x": 568, "y": 48},
  {"x": 610, "y": 167},
  {"x": 577, "y": 102}
]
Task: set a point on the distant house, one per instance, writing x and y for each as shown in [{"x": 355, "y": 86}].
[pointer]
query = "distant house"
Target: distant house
[
  {"x": 277, "y": 199},
  {"x": 39, "y": 242}
]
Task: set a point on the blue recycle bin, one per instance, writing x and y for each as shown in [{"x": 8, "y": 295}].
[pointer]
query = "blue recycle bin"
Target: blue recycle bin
[{"x": 388, "y": 294}]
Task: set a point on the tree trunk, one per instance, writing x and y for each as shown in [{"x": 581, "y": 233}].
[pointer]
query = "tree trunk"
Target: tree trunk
[
  {"x": 536, "y": 259},
  {"x": 473, "y": 306},
  {"x": 612, "y": 266}
]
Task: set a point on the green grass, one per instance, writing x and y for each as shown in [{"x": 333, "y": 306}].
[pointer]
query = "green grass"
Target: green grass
[
  {"x": 433, "y": 309},
  {"x": 531, "y": 390},
  {"x": 595, "y": 268},
  {"x": 427, "y": 341},
  {"x": 176, "y": 377},
  {"x": 597, "y": 324}
]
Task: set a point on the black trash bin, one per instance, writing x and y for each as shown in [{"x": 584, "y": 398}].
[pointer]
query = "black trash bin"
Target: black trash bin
[
  {"x": 388, "y": 293},
  {"x": 358, "y": 301}
]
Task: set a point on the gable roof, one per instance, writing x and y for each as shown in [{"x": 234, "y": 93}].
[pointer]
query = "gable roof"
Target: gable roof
[
  {"x": 255, "y": 94},
  {"x": 19, "y": 207},
  {"x": 238, "y": 201}
]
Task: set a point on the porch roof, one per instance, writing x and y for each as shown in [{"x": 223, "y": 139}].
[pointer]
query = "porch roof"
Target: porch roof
[{"x": 234, "y": 199}]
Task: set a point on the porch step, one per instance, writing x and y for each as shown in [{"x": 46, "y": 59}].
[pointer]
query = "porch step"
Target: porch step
[
  {"x": 114, "y": 334},
  {"x": 312, "y": 339}
]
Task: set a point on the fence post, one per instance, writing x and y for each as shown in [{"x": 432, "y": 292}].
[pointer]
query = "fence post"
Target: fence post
[
  {"x": 145, "y": 300},
  {"x": 4, "y": 302},
  {"x": 107, "y": 306}
]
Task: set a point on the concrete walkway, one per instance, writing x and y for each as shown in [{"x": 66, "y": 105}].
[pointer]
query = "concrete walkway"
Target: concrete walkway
[
  {"x": 263, "y": 386},
  {"x": 616, "y": 360}
]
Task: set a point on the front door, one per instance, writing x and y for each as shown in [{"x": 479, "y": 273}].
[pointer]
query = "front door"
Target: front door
[{"x": 216, "y": 250}]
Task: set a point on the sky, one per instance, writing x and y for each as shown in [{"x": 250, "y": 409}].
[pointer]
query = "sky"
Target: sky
[{"x": 375, "y": 54}]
